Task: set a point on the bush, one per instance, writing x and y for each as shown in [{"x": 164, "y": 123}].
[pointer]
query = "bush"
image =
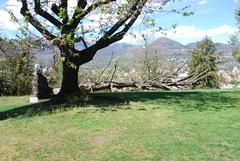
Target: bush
[{"x": 15, "y": 74}]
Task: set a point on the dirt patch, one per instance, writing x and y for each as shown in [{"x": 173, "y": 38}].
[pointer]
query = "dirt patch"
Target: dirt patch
[{"x": 100, "y": 140}]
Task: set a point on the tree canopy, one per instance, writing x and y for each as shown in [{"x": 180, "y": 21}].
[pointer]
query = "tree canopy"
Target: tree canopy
[{"x": 64, "y": 23}]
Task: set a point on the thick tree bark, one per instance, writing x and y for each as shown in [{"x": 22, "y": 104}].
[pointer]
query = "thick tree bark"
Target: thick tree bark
[
  {"x": 71, "y": 66},
  {"x": 69, "y": 78}
]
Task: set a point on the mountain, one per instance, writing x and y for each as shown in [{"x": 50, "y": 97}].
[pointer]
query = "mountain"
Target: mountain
[
  {"x": 191, "y": 45},
  {"x": 226, "y": 48},
  {"x": 118, "y": 49},
  {"x": 3, "y": 45},
  {"x": 167, "y": 44},
  {"x": 176, "y": 51},
  {"x": 174, "y": 46},
  {"x": 126, "y": 52},
  {"x": 8, "y": 48}
]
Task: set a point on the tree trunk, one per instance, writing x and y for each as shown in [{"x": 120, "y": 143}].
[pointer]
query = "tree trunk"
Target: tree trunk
[{"x": 69, "y": 78}]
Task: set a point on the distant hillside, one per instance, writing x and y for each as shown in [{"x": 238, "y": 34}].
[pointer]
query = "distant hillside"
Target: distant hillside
[
  {"x": 6, "y": 47},
  {"x": 168, "y": 45},
  {"x": 177, "y": 51},
  {"x": 226, "y": 48},
  {"x": 227, "y": 57},
  {"x": 119, "y": 49},
  {"x": 126, "y": 52}
]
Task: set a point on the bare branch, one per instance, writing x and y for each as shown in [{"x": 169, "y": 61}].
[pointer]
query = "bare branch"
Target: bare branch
[
  {"x": 79, "y": 39},
  {"x": 55, "y": 9},
  {"x": 109, "y": 63},
  {"x": 171, "y": 74},
  {"x": 45, "y": 14},
  {"x": 78, "y": 16},
  {"x": 133, "y": 13},
  {"x": 114, "y": 70},
  {"x": 106, "y": 40},
  {"x": 180, "y": 83},
  {"x": 25, "y": 12}
]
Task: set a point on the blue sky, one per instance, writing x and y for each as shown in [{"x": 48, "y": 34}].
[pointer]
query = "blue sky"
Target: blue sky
[{"x": 214, "y": 18}]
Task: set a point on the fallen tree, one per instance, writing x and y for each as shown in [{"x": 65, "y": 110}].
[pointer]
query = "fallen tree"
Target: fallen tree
[{"x": 167, "y": 82}]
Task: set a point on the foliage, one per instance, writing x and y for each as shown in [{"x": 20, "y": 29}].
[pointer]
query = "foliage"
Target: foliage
[
  {"x": 235, "y": 45},
  {"x": 206, "y": 57},
  {"x": 235, "y": 82},
  {"x": 234, "y": 39},
  {"x": 15, "y": 71},
  {"x": 185, "y": 125}
]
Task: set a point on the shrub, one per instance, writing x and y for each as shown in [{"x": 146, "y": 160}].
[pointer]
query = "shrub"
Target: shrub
[{"x": 15, "y": 73}]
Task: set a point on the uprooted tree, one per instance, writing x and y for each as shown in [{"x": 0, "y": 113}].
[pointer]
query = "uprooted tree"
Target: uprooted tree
[{"x": 67, "y": 27}]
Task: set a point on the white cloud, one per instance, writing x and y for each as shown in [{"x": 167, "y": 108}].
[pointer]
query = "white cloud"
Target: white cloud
[
  {"x": 183, "y": 34},
  {"x": 14, "y": 6},
  {"x": 202, "y": 2},
  {"x": 193, "y": 31},
  {"x": 6, "y": 23},
  {"x": 236, "y": 1}
]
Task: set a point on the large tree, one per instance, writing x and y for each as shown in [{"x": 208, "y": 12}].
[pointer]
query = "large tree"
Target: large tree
[
  {"x": 64, "y": 25},
  {"x": 69, "y": 25}
]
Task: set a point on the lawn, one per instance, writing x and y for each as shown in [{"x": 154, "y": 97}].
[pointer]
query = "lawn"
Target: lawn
[
  {"x": 7, "y": 103},
  {"x": 184, "y": 125}
]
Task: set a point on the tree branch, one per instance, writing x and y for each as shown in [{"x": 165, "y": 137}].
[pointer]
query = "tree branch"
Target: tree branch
[
  {"x": 55, "y": 9},
  {"x": 25, "y": 12},
  {"x": 79, "y": 39},
  {"x": 79, "y": 15},
  {"x": 77, "y": 12},
  {"x": 117, "y": 25},
  {"x": 63, "y": 5},
  {"x": 114, "y": 70},
  {"x": 185, "y": 82},
  {"x": 109, "y": 63},
  {"x": 106, "y": 40},
  {"x": 45, "y": 14}
]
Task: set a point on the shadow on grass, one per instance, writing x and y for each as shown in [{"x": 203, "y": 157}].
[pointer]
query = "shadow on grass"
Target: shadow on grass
[
  {"x": 55, "y": 104},
  {"x": 183, "y": 100}
]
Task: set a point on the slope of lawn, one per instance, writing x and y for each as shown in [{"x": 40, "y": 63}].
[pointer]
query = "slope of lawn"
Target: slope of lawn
[
  {"x": 184, "y": 125},
  {"x": 7, "y": 103}
]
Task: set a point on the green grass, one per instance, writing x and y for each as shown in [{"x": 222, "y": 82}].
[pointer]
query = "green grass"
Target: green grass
[
  {"x": 186, "y": 125},
  {"x": 7, "y": 103}
]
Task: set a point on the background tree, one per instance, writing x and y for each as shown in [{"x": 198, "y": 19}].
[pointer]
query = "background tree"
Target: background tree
[
  {"x": 114, "y": 19},
  {"x": 15, "y": 67},
  {"x": 205, "y": 57},
  {"x": 234, "y": 39},
  {"x": 152, "y": 62}
]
